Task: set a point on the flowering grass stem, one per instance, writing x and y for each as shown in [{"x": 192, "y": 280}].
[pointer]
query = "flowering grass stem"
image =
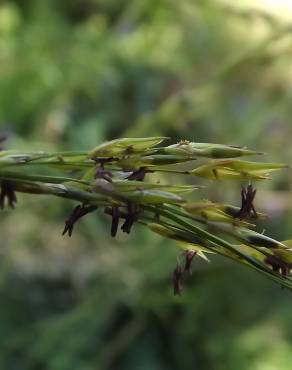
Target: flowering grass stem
[{"x": 113, "y": 177}]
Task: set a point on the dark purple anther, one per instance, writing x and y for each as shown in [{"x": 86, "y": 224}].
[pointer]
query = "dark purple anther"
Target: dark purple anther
[
  {"x": 189, "y": 256},
  {"x": 7, "y": 192},
  {"x": 78, "y": 212},
  {"x": 130, "y": 218},
  {"x": 115, "y": 220},
  {"x": 177, "y": 280},
  {"x": 101, "y": 173},
  {"x": 139, "y": 175},
  {"x": 247, "y": 209}
]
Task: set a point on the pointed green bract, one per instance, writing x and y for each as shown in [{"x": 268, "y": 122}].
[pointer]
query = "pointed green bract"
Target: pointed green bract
[
  {"x": 134, "y": 162},
  {"x": 256, "y": 239},
  {"x": 255, "y": 253},
  {"x": 184, "y": 241},
  {"x": 261, "y": 253},
  {"x": 135, "y": 194},
  {"x": 210, "y": 211},
  {"x": 125, "y": 146},
  {"x": 219, "y": 212},
  {"x": 126, "y": 186},
  {"x": 208, "y": 150},
  {"x": 236, "y": 169},
  {"x": 151, "y": 196}
]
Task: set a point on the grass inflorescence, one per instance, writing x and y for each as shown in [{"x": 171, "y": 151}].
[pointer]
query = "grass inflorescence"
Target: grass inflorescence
[{"x": 113, "y": 178}]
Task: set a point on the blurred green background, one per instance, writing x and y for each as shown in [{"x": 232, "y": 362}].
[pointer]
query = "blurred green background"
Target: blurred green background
[{"x": 76, "y": 73}]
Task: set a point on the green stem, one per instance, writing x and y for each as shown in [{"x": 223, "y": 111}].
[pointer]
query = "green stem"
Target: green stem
[
  {"x": 16, "y": 176},
  {"x": 60, "y": 190}
]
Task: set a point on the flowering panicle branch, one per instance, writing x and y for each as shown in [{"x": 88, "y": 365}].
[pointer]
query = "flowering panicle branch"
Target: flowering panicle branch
[{"x": 112, "y": 177}]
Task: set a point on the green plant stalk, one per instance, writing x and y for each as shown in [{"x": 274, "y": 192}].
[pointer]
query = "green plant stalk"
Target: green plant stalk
[
  {"x": 15, "y": 176},
  {"x": 60, "y": 190}
]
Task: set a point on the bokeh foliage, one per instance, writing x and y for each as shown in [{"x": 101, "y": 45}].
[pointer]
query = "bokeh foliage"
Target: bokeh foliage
[{"x": 76, "y": 73}]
